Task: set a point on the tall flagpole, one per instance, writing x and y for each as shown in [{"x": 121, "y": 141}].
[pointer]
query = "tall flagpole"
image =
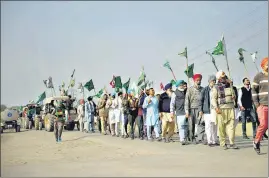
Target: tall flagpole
[
  {"x": 226, "y": 58},
  {"x": 213, "y": 60}
]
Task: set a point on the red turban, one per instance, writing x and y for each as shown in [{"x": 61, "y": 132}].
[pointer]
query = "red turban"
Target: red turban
[
  {"x": 264, "y": 62},
  {"x": 196, "y": 76}
]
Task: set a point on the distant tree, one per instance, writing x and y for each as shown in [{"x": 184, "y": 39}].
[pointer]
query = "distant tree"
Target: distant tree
[{"x": 3, "y": 107}]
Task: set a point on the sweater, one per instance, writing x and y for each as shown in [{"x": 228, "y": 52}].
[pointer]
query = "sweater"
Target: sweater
[
  {"x": 178, "y": 102},
  {"x": 215, "y": 100},
  {"x": 193, "y": 99},
  {"x": 260, "y": 89},
  {"x": 164, "y": 103}
]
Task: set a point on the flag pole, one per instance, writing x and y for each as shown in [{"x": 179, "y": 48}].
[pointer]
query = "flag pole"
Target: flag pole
[
  {"x": 256, "y": 67},
  {"x": 213, "y": 60},
  {"x": 173, "y": 73},
  {"x": 228, "y": 68},
  {"x": 188, "y": 81}
]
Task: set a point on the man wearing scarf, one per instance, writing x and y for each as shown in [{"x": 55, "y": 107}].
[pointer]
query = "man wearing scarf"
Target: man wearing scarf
[
  {"x": 193, "y": 110},
  {"x": 208, "y": 113},
  {"x": 177, "y": 107},
  {"x": 260, "y": 99},
  {"x": 165, "y": 117},
  {"x": 245, "y": 105},
  {"x": 223, "y": 101},
  {"x": 151, "y": 103}
]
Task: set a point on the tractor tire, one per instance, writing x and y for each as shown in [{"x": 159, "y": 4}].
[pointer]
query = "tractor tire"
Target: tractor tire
[
  {"x": 70, "y": 126},
  {"x": 50, "y": 123},
  {"x": 37, "y": 123},
  {"x": 2, "y": 130},
  {"x": 18, "y": 128}
]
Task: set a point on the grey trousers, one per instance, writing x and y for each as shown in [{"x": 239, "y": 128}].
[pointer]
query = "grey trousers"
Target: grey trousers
[{"x": 196, "y": 126}]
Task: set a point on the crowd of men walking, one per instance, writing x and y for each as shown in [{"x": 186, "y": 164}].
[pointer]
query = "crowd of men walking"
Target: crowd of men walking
[{"x": 199, "y": 114}]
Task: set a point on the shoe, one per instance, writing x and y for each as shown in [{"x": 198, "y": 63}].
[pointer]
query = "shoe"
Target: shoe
[
  {"x": 93, "y": 131},
  {"x": 122, "y": 136},
  {"x": 225, "y": 147},
  {"x": 216, "y": 144},
  {"x": 132, "y": 137},
  {"x": 159, "y": 139},
  {"x": 194, "y": 142},
  {"x": 256, "y": 147},
  {"x": 183, "y": 143},
  {"x": 141, "y": 138},
  {"x": 233, "y": 146},
  {"x": 211, "y": 145},
  {"x": 117, "y": 135},
  {"x": 245, "y": 137},
  {"x": 59, "y": 140}
]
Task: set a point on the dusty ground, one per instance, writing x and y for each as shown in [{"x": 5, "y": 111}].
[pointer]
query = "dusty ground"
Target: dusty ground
[{"x": 36, "y": 154}]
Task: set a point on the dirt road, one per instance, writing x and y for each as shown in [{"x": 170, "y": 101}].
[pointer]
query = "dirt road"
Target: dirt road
[{"x": 36, "y": 154}]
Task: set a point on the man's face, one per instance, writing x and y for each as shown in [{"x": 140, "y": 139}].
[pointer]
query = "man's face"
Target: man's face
[
  {"x": 212, "y": 83},
  {"x": 152, "y": 92},
  {"x": 247, "y": 82},
  {"x": 198, "y": 81},
  {"x": 185, "y": 86},
  {"x": 147, "y": 92},
  {"x": 168, "y": 91}
]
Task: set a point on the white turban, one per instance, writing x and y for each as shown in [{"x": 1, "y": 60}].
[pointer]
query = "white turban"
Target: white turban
[{"x": 220, "y": 74}]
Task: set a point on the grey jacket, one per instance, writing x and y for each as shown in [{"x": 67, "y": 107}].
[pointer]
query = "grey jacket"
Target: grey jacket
[{"x": 193, "y": 99}]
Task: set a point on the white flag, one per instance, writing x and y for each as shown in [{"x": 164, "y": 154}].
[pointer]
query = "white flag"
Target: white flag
[{"x": 254, "y": 56}]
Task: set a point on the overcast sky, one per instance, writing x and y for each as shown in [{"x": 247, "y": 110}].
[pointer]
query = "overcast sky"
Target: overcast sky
[{"x": 102, "y": 39}]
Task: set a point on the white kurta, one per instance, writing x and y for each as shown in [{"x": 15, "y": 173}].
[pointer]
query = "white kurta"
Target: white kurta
[{"x": 111, "y": 115}]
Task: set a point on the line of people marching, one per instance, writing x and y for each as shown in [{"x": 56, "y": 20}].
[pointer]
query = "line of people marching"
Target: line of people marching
[{"x": 198, "y": 113}]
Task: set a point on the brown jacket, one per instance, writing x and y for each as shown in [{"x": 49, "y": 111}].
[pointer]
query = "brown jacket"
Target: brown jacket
[{"x": 103, "y": 112}]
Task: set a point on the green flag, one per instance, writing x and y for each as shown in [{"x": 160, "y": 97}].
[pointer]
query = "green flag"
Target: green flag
[
  {"x": 126, "y": 85},
  {"x": 219, "y": 49},
  {"x": 72, "y": 83},
  {"x": 99, "y": 94},
  {"x": 240, "y": 52},
  {"x": 184, "y": 53},
  {"x": 189, "y": 71},
  {"x": 89, "y": 85},
  {"x": 145, "y": 85},
  {"x": 141, "y": 78},
  {"x": 118, "y": 83},
  {"x": 41, "y": 97},
  {"x": 167, "y": 65},
  {"x": 173, "y": 82}
]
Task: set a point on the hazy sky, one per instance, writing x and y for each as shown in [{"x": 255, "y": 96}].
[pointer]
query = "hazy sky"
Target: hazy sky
[{"x": 102, "y": 39}]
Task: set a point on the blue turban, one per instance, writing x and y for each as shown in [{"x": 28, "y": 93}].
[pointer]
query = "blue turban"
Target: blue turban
[
  {"x": 179, "y": 82},
  {"x": 130, "y": 91},
  {"x": 168, "y": 86}
]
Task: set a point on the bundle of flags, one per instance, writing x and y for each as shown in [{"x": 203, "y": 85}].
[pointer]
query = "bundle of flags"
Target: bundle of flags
[{"x": 48, "y": 83}]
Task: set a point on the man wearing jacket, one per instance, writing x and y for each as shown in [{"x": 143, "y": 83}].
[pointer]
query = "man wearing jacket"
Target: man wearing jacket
[
  {"x": 177, "y": 107},
  {"x": 223, "y": 101},
  {"x": 208, "y": 113},
  {"x": 193, "y": 110},
  {"x": 260, "y": 99},
  {"x": 165, "y": 117},
  {"x": 245, "y": 105},
  {"x": 140, "y": 118}
]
